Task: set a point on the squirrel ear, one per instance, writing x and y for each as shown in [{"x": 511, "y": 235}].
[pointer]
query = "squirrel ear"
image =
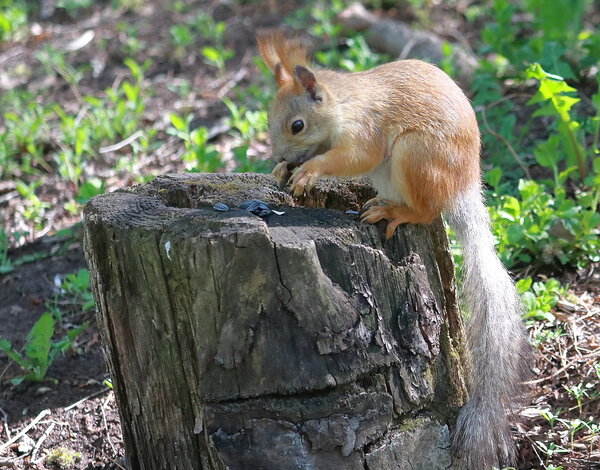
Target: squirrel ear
[{"x": 308, "y": 81}]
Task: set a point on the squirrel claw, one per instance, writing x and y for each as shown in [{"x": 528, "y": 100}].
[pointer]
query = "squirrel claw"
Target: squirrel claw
[
  {"x": 376, "y": 201},
  {"x": 375, "y": 213},
  {"x": 302, "y": 182}
]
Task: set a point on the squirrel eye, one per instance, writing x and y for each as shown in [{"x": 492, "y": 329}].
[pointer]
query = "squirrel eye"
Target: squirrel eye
[{"x": 297, "y": 126}]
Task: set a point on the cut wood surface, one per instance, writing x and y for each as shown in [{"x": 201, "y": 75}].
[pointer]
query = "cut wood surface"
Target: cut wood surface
[{"x": 299, "y": 341}]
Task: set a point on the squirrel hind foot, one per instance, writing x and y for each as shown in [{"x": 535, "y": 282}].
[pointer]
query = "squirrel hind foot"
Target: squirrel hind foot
[
  {"x": 394, "y": 214},
  {"x": 377, "y": 201}
]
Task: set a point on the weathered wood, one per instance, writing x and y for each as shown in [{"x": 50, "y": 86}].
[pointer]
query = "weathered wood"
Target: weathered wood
[{"x": 301, "y": 341}]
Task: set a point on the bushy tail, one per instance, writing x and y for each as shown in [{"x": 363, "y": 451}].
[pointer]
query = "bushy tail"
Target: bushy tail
[{"x": 496, "y": 340}]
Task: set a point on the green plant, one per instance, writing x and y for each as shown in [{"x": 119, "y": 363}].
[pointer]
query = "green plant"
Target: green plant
[
  {"x": 243, "y": 163},
  {"x": 539, "y": 298},
  {"x": 77, "y": 286},
  {"x": 573, "y": 425},
  {"x": 550, "y": 47},
  {"x": 556, "y": 40},
  {"x": 354, "y": 56},
  {"x": 23, "y": 140},
  {"x": 555, "y": 96},
  {"x": 6, "y": 265},
  {"x": 181, "y": 35},
  {"x": 245, "y": 122},
  {"x": 319, "y": 15},
  {"x": 39, "y": 350},
  {"x": 130, "y": 43},
  {"x": 246, "y": 125},
  {"x": 216, "y": 56},
  {"x": 181, "y": 87},
  {"x": 13, "y": 17},
  {"x": 34, "y": 208},
  {"x": 578, "y": 392},
  {"x": 214, "y": 53},
  {"x": 54, "y": 62},
  {"x": 199, "y": 155},
  {"x": 550, "y": 450},
  {"x": 540, "y": 227},
  {"x": 87, "y": 190},
  {"x": 71, "y": 6},
  {"x": 551, "y": 418},
  {"x": 34, "y": 133}
]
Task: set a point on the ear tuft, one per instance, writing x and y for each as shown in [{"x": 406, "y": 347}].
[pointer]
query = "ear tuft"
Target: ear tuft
[
  {"x": 281, "y": 55},
  {"x": 308, "y": 81},
  {"x": 279, "y": 74}
]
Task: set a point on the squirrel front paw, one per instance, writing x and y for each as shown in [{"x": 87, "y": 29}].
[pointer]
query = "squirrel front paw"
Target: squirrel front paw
[
  {"x": 281, "y": 173},
  {"x": 305, "y": 177}
]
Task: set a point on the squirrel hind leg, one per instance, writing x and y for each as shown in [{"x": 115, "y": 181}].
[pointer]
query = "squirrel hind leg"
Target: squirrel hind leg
[{"x": 395, "y": 215}]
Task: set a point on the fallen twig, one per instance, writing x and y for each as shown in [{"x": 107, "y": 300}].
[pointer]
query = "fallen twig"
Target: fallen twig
[
  {"x": 5, "y": 421},
  {"x": 564, "y": 368},
  {"x": 25, "y": 429},
  {"x": 123, "y": 143},
  {"x": 93, "y": 395},
  {"x": 106, "y": 425},
  {"x": 39, "y": 442}
]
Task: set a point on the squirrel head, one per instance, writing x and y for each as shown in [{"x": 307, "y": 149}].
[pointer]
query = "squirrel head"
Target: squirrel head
[{"x": 300, "y": 119}]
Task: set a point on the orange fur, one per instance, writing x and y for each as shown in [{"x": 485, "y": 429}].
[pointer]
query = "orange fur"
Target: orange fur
[{"x": 405, "y": 123}]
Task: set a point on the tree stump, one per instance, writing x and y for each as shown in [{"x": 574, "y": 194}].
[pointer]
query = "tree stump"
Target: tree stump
[{"x": 295, "y": 341}]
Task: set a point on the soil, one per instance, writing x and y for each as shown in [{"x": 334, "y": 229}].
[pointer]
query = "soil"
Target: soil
[{"x": 90, "y": 428}]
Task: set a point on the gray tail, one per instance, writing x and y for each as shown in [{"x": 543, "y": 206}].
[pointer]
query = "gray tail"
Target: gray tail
[{"x": 496, "y": 339}]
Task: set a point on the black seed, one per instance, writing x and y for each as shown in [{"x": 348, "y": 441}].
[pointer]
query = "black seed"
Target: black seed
[
  {"x": 256, "y": 207},
  {"x": 219, "y": 206}
]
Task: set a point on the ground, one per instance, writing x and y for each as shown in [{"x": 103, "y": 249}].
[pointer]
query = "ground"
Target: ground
[{"x": 83, "y": 416}]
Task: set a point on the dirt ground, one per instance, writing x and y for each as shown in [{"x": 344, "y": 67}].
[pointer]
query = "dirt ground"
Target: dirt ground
[{"x": 76, "y": 410}]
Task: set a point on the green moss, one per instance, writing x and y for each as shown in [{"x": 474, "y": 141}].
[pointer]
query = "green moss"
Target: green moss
[
  {"x": 62, "y": 457},
  {"x": 410, "y": 424}
]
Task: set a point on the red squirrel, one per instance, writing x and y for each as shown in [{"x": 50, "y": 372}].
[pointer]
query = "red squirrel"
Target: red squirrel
[{"x": 410, "y": 128}]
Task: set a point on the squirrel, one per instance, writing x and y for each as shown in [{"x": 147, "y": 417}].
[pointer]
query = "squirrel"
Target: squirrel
[{"x": 410, "y": 128}]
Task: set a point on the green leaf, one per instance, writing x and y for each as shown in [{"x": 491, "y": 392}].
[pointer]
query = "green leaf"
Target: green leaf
[
  {"x": 523, "y": 285},
  {"x": 17, "y": 380},
  {"x": 6, "y": 346},
  {"x": 131, "y": 92},
  {"x": 89, "y": 189},
  {"x": 178, "y": 122},
  {"x": 134, "y": 68},
  {"x": 38, "y": 345},
  {"x": 514, "y": 234},
  {"x": 210, "y": 53},
  {"x": 73, "y": 333},
  {"x": 546, "y": 153}
]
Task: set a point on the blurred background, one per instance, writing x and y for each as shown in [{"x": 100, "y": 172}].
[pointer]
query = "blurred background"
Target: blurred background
[{"x": 100, "y": 95}]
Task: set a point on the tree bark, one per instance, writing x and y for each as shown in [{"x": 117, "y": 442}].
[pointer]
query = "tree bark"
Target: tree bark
[{"x": 300, "y": 341}]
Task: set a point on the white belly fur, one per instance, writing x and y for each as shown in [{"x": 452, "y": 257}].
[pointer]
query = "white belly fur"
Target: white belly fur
[{"x": 380, "y": 178}]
